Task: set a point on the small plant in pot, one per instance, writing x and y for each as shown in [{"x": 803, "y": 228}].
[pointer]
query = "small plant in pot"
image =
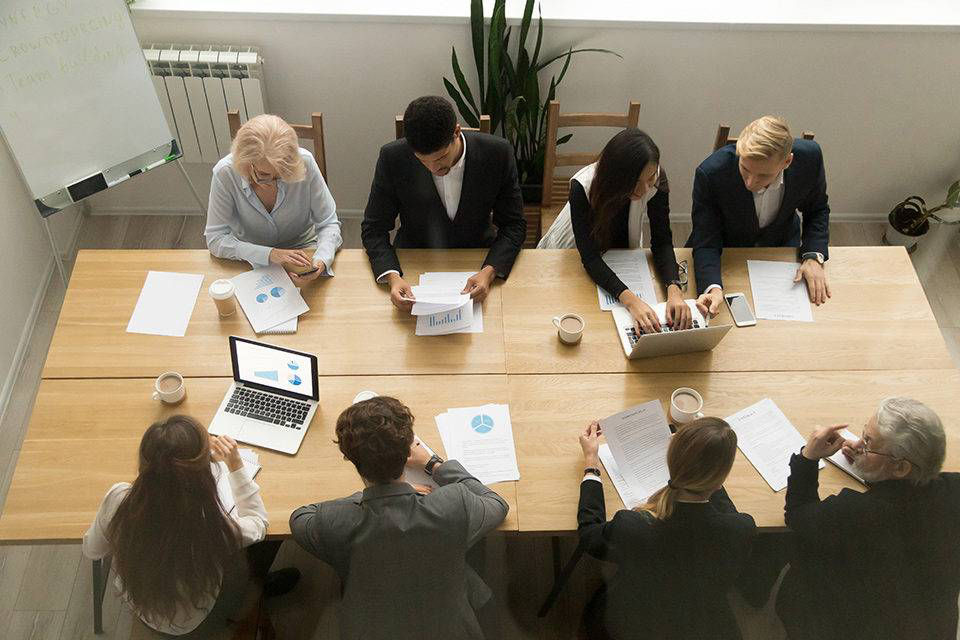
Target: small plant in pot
[{"x": 910, "y": 220}]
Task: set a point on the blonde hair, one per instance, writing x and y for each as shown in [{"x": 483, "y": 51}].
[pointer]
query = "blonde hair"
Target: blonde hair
[
  {"x": 699, "y": 458},
  {"x": 268, "y": 137},
  {"x": 766, "y": 137}
]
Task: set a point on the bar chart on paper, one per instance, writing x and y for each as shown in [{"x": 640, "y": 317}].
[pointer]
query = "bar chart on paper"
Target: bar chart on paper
[
  {"x": 450, "y": 321},
  {"x": 444, "y": 319}
]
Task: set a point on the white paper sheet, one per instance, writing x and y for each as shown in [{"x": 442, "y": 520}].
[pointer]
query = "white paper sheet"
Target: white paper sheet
[
  {"x": 415, "y": 476},
  {"x": 268, "y": 297},
  {"x": 629, "y": 498},
  {"x": 638, "y": 439},
  {"x": 839, "y": 460},
  {"x": 454, "y": 281},
  {"x": 251, "y": 461},
  {"x": 431, "y": 299},
  {"x": 165, "y": 304},
  {"x": 446, "y": 322},
  {"x": 767, "y": 439},
  {"x": 775, "y": 295},
  {"x": 632, "y": 268},
  {"x": 481, "y": 439}
]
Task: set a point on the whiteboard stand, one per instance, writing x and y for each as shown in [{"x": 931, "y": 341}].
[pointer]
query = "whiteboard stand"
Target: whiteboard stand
[
  {"x": 193, "y": 189},
  {"x": 56, "y": 252}
]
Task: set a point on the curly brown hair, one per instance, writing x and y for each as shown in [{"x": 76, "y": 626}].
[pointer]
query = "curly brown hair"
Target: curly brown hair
[{"x": 376, "y": 435}]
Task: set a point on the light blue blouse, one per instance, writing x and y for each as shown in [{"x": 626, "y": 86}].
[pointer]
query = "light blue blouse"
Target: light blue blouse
[{"x": 240, "y": 228}]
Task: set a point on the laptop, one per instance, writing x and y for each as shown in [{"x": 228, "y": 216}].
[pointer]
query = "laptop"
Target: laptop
[
  {"x": 272, "y": 399},
  {"x": 701, "y": 337}
]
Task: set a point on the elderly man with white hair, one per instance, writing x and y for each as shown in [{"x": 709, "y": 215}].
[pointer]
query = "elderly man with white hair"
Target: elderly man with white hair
[{"x": 884, "y": 563}]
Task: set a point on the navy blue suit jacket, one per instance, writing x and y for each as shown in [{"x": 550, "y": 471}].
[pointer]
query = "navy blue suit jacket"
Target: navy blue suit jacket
[{"x": 724, "y": 214}]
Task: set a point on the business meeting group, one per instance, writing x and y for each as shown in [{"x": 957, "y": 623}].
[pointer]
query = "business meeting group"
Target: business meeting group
[{"x": 879, "y": 563}]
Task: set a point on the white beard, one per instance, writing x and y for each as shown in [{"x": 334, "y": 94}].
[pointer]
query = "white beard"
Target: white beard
[{"x": 869, "y": 476}]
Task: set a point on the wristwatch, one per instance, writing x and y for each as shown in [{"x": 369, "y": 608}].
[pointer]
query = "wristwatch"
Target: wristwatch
[
  {"x": 676, "y": 282},
  {"x": 592, "y": 471},
  {"x": 813, "y": 255},
  {"x": 431, "y": 463}
]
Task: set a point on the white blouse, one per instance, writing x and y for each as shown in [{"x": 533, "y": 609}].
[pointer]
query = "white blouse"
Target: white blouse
[{"x": 250, "y": 516}]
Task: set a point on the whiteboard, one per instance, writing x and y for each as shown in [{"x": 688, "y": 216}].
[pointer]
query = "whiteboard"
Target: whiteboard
[{"x": 76, "y": 98}]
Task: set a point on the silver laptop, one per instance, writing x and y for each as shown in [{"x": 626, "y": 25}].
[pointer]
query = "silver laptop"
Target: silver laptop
[
  {"x": 668, "y": 342},
  {"x": 274, "y": 394}
]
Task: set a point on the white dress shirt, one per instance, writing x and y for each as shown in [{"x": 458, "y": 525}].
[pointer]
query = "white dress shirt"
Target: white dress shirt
[
  {"x": 250, "y": 516},
  {"x": 767, "y": 203},
  {"x": 448, "y": 188}
]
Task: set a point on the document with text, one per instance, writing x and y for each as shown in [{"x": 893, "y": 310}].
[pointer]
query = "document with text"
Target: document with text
[
  {"x": 268, "y": 297},
  {"x": 438, "y": 315},
  {"x": 638, "y": 439},
  {"x": 775, "y": 295},
  {"x": 630, "y": 499},
  {"x": 632, "y": 268},
  {"x": 481, "y": 439}
]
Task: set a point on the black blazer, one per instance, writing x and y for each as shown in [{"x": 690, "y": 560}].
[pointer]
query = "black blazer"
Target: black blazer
[
  {"x": 724, "y": 214},
  {"x": 402, "y": 185},
  {"x": 661, "y": 238},
  {"x": 673, "y": 575},
  {"x": 883, "y": 564}
]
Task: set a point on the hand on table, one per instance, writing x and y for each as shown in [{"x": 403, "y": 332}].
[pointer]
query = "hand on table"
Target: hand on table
[
  {"x": 296, "y": 258},
  {"x": 401, "y": 295},
  {"x": 816, "y": 278},
  {"x": 824, "y": 442},
  {"x": 678, "y": 313},
  {"x": 478, "y": 285},
  {"x": 224, "y": 449},
  {"x": 643, "y": 314},
  {"x": 709, "y": 303},
  {"x": 590, "y": 443},
  {"x": 419, "y": 455}
]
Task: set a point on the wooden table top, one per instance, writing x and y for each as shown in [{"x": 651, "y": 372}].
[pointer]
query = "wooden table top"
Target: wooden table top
[
  {"x": 878, "y": 318},
  {"x": 351, "y": 325},
  {"x": 70, "y": 457},
  {"x": 549, "y": 412}
]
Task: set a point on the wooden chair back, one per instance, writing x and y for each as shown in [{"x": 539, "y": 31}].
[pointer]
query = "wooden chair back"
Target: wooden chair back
[
  {"x": 723, "y": 137},
  {"x": 312, "y": 131},
  {"x": 484, "y": 126},
  {"x": 556, "y": 190}
]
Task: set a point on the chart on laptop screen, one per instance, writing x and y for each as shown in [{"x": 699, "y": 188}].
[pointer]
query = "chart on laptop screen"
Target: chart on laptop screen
[{"x": 274, "y": 368}]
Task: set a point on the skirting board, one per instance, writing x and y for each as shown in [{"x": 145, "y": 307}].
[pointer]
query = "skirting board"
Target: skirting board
[
  {"x": 26, "y": 335},
  {"x": 353, "y": 214}
]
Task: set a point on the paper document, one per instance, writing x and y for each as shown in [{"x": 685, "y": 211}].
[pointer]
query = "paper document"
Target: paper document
[
  {"x": 430, "y": 299},
  {"x": 251, "y": 462},
  {"x": 452, "y": 283},
  {"x": 481, "y": 439},
  {"x": 638, "y": 439},
  {"x": 632, "y": 268},
  {"x": 268, "y": 297},
  {"x": 768, "y": 440},
  {"x": 165, "y": 304},
  {"x": 630, "y": 499},
  {"x": 417, "y": 476},
  {"x": 841, "y": 461},
  {"x": 775, "y": 295}
]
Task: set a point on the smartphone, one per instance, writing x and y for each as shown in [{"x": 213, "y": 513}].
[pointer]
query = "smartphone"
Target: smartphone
[{"x": 740, "y": 310}]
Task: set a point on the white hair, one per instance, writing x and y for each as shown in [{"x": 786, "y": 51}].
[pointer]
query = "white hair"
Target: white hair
[{"x": 912, "y": 431}]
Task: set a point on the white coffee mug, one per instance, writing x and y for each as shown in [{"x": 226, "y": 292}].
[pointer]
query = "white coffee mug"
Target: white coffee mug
[
  {"x": 569, "y": 327},
  {"x": 364, "y": 395},
  {"x": 169, "y": 387},
  {"x": 222, "y": 292},
  {"x": 684, "y": 411}
]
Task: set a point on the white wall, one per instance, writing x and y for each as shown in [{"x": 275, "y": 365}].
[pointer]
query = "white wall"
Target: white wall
[
  {"x": 882, "y": 103},
  {"x": 27, "y": 266}
]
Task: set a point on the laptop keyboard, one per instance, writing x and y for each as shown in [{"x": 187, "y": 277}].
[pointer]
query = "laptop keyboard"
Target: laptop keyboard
[
  {"x": 267, "y": 407},
  {"x": 633, "y": 337}
]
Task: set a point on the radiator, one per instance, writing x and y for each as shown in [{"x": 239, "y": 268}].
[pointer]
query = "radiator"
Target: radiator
[{"x": 197, "y": 85}]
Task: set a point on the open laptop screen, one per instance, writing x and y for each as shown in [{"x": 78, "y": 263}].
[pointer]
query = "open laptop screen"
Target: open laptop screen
[{"x": 274, "y": 368}]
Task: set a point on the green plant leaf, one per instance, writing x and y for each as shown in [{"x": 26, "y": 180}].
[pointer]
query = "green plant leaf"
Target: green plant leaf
[
  {"x": 476, "y": 34},
  {"x": 462, "y": 82},
  {"x": 564, "y": 139},
  {"x": 465, "y": 111},
  {"x": 953, "y": 195},
  {"x": 525, "y": 23},
  {"x": 572, "y": 51},
  {"x": 536, "y": 48},
  {"x": 494, "y": 106},
  {"x": 566, "y": 65}
]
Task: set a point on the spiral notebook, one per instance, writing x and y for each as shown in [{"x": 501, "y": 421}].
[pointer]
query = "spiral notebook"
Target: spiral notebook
[{"x": 284, "y": 328}]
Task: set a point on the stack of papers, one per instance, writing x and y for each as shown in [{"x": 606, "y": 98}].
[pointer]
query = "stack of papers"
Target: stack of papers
[
  {"x": 251, "y": 461},
  {"x": 839, "y": 460},
  {"x": 775, "y": 295},
  {"x": 481, "y": 439},
  {"x": 635, "y": 455},
  {"x": 768, "y": 440},
  {"x": 268, "y": 297},
  {"x": 165, "y": 304},
  {"x": 441, "y": 309},
  {"x": 632, "y": 268}
]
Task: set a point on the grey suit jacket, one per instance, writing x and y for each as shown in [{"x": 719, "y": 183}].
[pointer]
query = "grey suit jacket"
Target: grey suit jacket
[{"x": 401, "y": 556}]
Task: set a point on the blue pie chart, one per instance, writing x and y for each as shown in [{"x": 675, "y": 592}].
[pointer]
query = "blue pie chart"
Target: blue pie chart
[
  {"x": 261, "y": 297},
  {"x": 276, "y": 292},
  {"x": 293, "y": 365},
  {"x": 295, "y": 380},
  {"x": 482, "y": 423}
]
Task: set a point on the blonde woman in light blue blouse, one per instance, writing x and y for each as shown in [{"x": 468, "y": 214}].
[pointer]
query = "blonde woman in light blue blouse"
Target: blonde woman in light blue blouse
[{"x": 269, "y": 203}]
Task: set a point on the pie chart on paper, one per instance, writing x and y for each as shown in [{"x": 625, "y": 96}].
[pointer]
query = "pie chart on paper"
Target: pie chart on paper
[{"x": 482, "y": 423}]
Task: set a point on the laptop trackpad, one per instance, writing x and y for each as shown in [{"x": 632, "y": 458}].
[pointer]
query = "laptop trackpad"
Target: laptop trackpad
[{"x": 256, "y": 432}]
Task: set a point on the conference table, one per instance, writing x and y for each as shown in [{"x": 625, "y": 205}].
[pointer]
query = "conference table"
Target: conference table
[{"x": 876, "y": 337}]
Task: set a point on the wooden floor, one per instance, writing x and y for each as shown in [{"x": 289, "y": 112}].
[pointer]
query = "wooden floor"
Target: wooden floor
[{"x": 45, "y": 591}]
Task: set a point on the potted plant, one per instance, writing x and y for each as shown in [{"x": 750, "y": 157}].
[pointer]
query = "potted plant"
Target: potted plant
[
  {"x": 910, "y": 219},
  {"x": 509, "y": 88}
]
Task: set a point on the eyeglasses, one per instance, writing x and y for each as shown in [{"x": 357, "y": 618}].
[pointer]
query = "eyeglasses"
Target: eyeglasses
[
  {"x": 258, "y": 178},
  {"x": 865, "y": 448}
]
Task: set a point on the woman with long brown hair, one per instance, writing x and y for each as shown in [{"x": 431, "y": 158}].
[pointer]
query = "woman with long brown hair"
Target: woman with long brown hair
[
  {"x": 608, "y": 200},
  {"x": 175, "y": 549},
  {"x": 679, "y": 553}
]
